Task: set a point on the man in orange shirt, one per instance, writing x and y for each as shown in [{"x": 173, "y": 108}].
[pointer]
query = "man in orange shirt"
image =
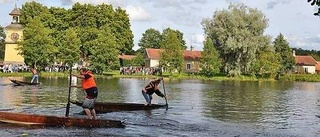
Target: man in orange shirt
[{"x": 90, "y": 87}]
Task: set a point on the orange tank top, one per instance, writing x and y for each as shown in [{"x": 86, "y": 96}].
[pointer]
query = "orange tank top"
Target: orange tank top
[{"x": 88, "y": 83}]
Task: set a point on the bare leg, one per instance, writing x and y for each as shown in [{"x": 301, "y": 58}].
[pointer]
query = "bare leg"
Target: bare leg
[
  {"x": 93, "y": 112},
  {"x": 88, "y": 113}
]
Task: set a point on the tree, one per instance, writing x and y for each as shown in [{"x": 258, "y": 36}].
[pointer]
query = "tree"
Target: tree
[
  {"x": 87, "y": 21},
  {"x": 267, "y": 65},
  {"x": 121, "y": 29},
  {"x": 171, "y": 57},
  {"x": 286, "y": 57},
  {"x": 30, "y": 10},
  {"x": 69, "y": 51},
  {"x": 37, "y": 46},
  {"x": 104, "y": 52},
  {"x": 151, "y": 38},
  {"x": 237, "y": 34},
  {"x": 139, "y": 60},
  {"x": 210, "y": 61},
  {"x": 2, "y": 44},
  {"x": 316, "y": 2},
  {"x": 178, "y": 34}
]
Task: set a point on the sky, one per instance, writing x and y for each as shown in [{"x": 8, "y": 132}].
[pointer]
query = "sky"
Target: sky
[{"x": 292, "y": 18}]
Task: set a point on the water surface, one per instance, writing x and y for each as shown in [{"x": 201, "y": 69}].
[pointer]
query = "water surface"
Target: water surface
[{"x": 196, "y": 108}]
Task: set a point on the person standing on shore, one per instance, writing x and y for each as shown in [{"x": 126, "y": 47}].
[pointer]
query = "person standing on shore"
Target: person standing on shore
[{"x": 90, "y": 88}]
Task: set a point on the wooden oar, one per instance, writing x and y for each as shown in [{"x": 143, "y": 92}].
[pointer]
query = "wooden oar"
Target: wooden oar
[
  {"x": 68, "y": 104},
  {"x": 164, "y": 91}
]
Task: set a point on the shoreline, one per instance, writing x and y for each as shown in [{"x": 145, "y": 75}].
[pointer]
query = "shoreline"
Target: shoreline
[{"x": 116, "y": 74}]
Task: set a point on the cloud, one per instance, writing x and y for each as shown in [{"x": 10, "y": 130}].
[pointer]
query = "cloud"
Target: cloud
[
  {"x": 137, "y": 14},
  {"x": 95, "y": 2},
  {"x": 178, "y": 4},
  {"x": 196, "y": 40},
  {"x": 309, "y": 43},
  {"x": 272, "y": 4},
  {"x": 6, "y": 1}
]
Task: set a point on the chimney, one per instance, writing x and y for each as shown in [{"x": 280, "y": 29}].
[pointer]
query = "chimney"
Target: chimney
[
  {"x": 294, "y": 53},
  {"x": 191, "y": 48}
]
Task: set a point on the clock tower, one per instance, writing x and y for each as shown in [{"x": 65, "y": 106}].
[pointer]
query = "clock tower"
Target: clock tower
[{"x": 14, "y": 34}]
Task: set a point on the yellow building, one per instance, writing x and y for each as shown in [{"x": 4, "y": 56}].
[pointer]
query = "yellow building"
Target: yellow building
[{"x": 14, "y": 34}]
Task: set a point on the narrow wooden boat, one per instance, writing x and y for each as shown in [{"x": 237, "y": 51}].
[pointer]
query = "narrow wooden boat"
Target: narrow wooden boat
[
  {"x": 43, "y": 121},
  {"x": 22, "y": 83},
  {"x": 104, "y": 107}
]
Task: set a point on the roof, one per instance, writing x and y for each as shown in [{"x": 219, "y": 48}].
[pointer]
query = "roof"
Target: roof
[
  {"x": 191, "y": 55},
  {"x": 14, "y": 26},
  {"x": 305, "y": 60},
  {"x": 318, "y": 66},
  {"x": 126, "y": 57},
  {"x": 153, "y": 53},
  {"x": 15, "y": 11},
  {"x": 187, "y": 54}
]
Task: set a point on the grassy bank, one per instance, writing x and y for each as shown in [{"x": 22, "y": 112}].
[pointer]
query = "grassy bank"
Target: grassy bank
[{"x": 287, "y": 77}]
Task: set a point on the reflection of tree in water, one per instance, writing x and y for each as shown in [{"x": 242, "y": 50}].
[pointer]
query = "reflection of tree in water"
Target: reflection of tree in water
[{"x": 244, "y": 101}]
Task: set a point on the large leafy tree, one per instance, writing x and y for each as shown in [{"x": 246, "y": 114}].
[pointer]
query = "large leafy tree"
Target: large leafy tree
[
  {"x": 210, "y": 61},
  {"x": 178, "y": 34},
  {"x": 267, "y": 65},
  {"x": 104, "y": 51},
  {"x": 87, "y": 21},
  {"x": 2, "y": 44},
  {"x": 139, "y": 60},
  {"x": 171, "y": 56},
  {"x": 121, "y": 29},
  {"x": 315, "y": 3},
  {"x": 151, "y": 38},
  {"x": 69, "y": 50},
  {"x": 286, "y": 57},
  {"x": 30, "y": 10},
  {"x": 37, "y": 47},
  {"x": 237, "y": 33}
]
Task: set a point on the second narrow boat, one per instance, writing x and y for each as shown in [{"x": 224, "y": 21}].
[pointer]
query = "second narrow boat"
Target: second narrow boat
[{"x": 104, "y": 107}]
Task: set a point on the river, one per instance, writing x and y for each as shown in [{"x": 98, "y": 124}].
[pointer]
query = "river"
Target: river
[{"x": 196, "y": 108}]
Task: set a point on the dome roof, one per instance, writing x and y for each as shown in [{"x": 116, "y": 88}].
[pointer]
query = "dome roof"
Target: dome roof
[{"x": 14, "y": 26}]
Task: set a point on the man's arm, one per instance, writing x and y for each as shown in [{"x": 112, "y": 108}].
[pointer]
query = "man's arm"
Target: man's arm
[
  {"x": 76, "y": 86},
  {"x": 78, "y": 76}
]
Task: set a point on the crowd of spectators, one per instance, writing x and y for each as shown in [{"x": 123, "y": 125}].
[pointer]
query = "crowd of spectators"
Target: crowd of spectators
[
  {"x": 11, "y": 68},
  {"x": 140, "y": 71}
]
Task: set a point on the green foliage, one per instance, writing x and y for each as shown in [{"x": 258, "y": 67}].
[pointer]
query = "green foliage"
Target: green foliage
[
  {"x": 32, "y": 9},
  {"x": 37, "y": 47},
  {"x": 210, "y": 61},
  {"x": 2, "y": 44},
  {"x": 286, "y": 58},
  {"x": 139, "y": 60},
  {"x": 87, "y": 22},
  {"x": 300, "y": 77},
  {"x": 150, "y": 39},
  {"x": 69, "y": 52},
  {"x": 267, "y": 65},
  {"x": 238, "y": 35},
  {"x": 172, "y": 54},
  {"x": 179, "y": 35},
  {"x": 104, "y": 52},
  {"x": 314, "y": 53},
  {"x": 121, "y": 29}
]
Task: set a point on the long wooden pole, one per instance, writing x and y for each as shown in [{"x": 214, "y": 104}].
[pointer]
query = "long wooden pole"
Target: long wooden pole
[
  {"x": 68, "y": 104},
  {"x": 164, "y": 91}
]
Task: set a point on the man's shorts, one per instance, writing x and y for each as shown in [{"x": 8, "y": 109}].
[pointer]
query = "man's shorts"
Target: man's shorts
[{"x": 89, "y": 103}]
